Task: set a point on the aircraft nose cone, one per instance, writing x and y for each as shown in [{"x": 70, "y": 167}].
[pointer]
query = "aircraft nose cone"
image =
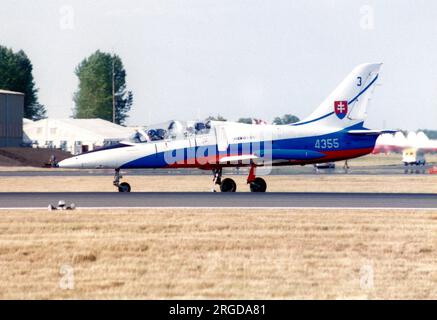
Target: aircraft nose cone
[{"x": 70, "y": 163}]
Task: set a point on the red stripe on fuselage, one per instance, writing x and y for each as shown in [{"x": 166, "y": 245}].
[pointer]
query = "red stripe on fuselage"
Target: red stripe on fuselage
[
  {"x": 337, "y": 155},
  {"x": 213, "y": 161},
  {"x": 330, "y": 156}
]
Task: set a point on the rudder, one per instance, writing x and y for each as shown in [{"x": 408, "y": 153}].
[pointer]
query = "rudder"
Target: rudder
[{"x": 347, "y": 104}]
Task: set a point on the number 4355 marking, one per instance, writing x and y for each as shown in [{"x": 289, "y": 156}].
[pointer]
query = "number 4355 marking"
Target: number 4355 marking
[{"x": 327, "y": 143}]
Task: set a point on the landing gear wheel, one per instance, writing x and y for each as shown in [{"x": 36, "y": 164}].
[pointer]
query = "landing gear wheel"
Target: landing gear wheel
[
  {"x": 258, "y": 185},
  {"x": 228, "y": 185},
  {"x": 124, "y": 187}
]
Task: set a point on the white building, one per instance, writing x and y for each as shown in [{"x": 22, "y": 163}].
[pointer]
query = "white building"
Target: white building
[{"x": 74, "y": 135}]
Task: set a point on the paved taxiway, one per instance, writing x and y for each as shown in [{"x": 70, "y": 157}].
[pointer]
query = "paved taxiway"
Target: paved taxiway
[
  {"x": 297, "y": 170},
  {"x": 231, "y": 200}
]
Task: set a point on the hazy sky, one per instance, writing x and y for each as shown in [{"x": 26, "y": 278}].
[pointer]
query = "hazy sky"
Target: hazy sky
[{"x": 190, "y": 59}]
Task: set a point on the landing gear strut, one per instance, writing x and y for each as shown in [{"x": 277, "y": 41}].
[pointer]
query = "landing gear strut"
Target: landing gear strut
[
  {"x": 227, "y": 185},
  {"x": 257, "y": 184},
  {"x": 217, "y": 176},
  {"x": 122, "y": 187}
]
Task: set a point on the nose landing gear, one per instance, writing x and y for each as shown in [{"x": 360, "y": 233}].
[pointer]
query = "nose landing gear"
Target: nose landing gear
[
  {"x": 227, "y": 185},
  {"x": 122, "y": 187}
]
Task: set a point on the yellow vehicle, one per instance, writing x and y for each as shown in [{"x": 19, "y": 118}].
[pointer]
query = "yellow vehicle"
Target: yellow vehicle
[{"x": 412, "y": 156}]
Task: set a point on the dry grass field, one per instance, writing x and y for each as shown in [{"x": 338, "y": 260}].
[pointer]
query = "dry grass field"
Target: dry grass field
[
  {"x": 296, "y": 183},
  {"x": 218, "y": 253}
]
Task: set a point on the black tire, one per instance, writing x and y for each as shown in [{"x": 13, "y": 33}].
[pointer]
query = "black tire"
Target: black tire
[
  {"x": 258, "y": 185},
  {"x": 228, "y": 185},
  {"x": 124, "y": 187}
]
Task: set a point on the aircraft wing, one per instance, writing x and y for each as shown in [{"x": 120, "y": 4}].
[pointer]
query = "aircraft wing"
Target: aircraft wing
[
  {"x": 369, "y": 132},
  {"x": 243, "y": 157},
  {"x": 293, "y": 154},
  {"x": 276, "y": 154}
]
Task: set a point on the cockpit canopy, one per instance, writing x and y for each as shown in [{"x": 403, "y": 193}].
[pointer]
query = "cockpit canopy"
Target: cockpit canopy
[{"x": 170, "y": 130}]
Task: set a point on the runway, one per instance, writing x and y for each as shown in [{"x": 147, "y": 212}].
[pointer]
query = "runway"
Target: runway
[
  {"x": 219, "y": 200},
  {"x": 299, "y": 170}
]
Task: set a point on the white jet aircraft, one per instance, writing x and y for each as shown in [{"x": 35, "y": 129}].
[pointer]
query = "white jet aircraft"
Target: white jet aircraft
[{"x": 334, "y": 131}]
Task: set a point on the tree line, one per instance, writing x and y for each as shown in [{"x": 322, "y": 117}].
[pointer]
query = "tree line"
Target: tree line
[
  {"x": 285, "y": 119},
  {"x": 101, "y": 93},
  {"x": 16, "y": 75},
  {"x": 101, "y": 90}
]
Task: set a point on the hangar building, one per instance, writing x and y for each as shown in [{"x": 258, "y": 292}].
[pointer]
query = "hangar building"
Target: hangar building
[
  {"x": 74, "y": 135},
  {"x": 11, "y": 118}
]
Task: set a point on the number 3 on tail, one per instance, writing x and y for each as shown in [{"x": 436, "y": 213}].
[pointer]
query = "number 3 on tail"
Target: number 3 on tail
[{"x": 359, "y": 79}]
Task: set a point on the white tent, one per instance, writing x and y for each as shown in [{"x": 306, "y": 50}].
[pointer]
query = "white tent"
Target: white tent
[{"x": 74, "y": 135}]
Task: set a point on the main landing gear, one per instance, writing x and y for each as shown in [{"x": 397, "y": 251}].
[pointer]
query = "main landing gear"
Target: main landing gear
[
  {"x": 122, "y": 187},
  {"x": 256, "y": 184}
]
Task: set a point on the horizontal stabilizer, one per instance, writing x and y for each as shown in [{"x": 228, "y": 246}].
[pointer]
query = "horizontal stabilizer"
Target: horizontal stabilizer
[{"x": 370, "y": 132}]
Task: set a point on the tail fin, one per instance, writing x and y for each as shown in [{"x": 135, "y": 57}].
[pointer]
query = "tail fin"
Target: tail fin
[{"x": 347, "y": 104}]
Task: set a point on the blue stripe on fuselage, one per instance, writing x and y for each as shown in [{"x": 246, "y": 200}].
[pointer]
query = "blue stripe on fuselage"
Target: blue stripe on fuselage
[{"x": 345, "y": 142}]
